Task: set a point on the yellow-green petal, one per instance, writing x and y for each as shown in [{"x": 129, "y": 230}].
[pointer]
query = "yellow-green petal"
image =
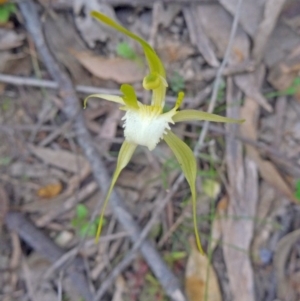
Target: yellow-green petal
[
  {"x": 113, "y": 98},
  {"x": 179, "y": 100},
  {"x": 124, "y": 157},
  {"x": 129, "y": 96},
  {"x": 188, "y": 163},
  {"x": 188, "y": 115}
]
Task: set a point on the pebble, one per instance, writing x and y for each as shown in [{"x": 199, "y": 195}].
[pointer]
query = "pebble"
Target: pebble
[
  {"x": 174, "y": 29},
  {"x": 265, "y": 255}
]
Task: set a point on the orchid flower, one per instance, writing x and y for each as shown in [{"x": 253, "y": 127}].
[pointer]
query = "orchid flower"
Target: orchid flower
[{"x": 146, "y": 125}]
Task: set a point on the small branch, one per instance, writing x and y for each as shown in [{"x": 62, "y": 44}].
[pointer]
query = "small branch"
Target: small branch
[
  {"x": 145, "y": 3},
  {"x": 86, "y": 90},
  {"x": 74, "y": 112},
  {"x": 271, "y": 13},
  {"x": 206, "y": 75},
  {"x": 219, "y": 75}
]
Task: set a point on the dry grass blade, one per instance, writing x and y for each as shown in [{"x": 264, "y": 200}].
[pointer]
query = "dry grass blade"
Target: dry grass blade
[
  {"x": 266, "y": 168},
  {"x": 109, "y": 127},
  {"x": 247, "y": 83},
  {"x": 198, "y": 36},
  {"x": 251, "y": 13},
  {"x": 60, "y": 158},
  {"x": 284, "y": 288},
  {"x": 265, "y": 28},
  {"x": 120, "y": 289},
  {"x": 4, "y": 206},
  {"x": 271, "y": 175}
]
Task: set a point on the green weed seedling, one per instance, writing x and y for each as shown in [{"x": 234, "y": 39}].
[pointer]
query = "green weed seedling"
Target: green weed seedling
[
  {"x": 221, "y": 91},
  {"x": 6, "y": 103},
  {"x": 297, "y": 190},
  {"x": 6, "y": 10},
  {"x": 177, "y": 82},
  {"x": 5, "y": 161},
  {"x": 171, "y": 257},
  {"x": 81, "y": 222},
  {"x": 125, "y": 51},
  {"x": 292, "y": 90}
]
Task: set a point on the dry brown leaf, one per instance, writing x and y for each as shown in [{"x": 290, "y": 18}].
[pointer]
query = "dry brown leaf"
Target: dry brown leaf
[
  {"x": 62, "y": 35},
  {"x": 283, "y": 250},
  {"x": 266, "y": 27},
  {"x": 216, "y": 232},
  {"x": 50, "y": 191},
  {"x": 281, "y": 43},
  {"x": 109, "y": 128},
  {"x": 267, "y": 208},
  {"x": 266, "y": 168},
  {"x": 200, "y": 275},
  {"x": 247, "y": 83},
  {"x": 120, "y": 289},
  {"x": 168, "y": 13},
  {"x": 282, "y": 75},
  {"x": 271, "y": 175},
  {"x": 243, "y": 197},
  {"x": 217, "y": 24},
  {"x": 91, "y": 30},
  {"x": 117, "y": 68},
  {"x": 10, "y": 39},
  {"x": 36, "y": 171},
  {"x": 172, "y": 50},
  {"x": 34, "y": 268},
  {"x": 198, "y": 36},
  {"x": 60, "y": 158},
  {"x": 251, "y": 13}
]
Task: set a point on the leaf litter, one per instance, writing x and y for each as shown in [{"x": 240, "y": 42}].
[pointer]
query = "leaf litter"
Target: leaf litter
[{"x": 254, "y": 227}]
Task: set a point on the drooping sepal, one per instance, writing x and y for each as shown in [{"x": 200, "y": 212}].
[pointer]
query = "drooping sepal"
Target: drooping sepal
[
  {"x": 187, "y": 161},
  {"x": 124, "y": 157},
  {"x": 113, "y": 98}
]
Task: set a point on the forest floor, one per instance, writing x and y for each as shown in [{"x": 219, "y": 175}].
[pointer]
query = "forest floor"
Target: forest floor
[{"x": 57, "y": 159}]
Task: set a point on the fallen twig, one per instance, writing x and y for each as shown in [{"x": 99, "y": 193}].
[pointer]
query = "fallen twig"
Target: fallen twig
[
  {"x": 86, "y": 90},
  {"x": 291, "y": 166},
  {"x": 205, "y": 75},
  {"x": 145, "y": 3},
  {"x": 219, "y": 75}
]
